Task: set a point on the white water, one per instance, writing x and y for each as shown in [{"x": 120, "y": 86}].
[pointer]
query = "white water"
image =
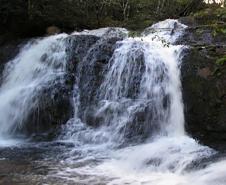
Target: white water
[
  {"x": 157, "y": 163},
  {"x": 38, "y": 63},
  {"x": 102, "y": 32},
  {"x": 160, "y": 78}
]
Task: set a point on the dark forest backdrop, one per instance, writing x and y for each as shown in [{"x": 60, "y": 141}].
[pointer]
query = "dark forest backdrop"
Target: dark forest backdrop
[{"x": 31, "y": 17}]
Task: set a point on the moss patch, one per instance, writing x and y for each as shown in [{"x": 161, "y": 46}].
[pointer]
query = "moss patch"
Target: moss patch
[{"x": 211, "y": 15}]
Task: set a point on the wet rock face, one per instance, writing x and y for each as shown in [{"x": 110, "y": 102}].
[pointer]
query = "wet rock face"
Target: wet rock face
[
  {"x": 78, "y": 46},
  {"x": 88, "y": 55},
  {"x": 91, "y": 75},
  {"x": 53, "y": 108},
  {"x": 204, "y": 86}
]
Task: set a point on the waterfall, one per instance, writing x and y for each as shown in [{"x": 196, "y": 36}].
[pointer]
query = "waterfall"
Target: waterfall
[
  {"x": 39, "y": 63},
  {"x": 144, "y": 75},
  {"x": 139, "y": 96},
  {"x": 128, "y": 121}
]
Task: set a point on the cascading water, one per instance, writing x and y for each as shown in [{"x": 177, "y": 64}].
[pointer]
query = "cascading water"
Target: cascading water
[
  {"x": 140, "y": 100},
  {"x": 140, "y": 79},
  {"x": 39, "y": 63},
  {"x": 128, "y": 123}
]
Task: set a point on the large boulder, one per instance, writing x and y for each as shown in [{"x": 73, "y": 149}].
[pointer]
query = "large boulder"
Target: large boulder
[{"x": 204, "y": 84}]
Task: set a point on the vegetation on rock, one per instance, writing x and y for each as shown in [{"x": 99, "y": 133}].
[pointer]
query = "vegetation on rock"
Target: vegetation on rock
[{"x": 221, "y": 61}]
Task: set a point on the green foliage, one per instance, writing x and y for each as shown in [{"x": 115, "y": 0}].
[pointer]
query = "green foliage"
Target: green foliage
[
  {"x": 211, "y": 15},
  {"x": 219, "y": 30},
  {"x": 134, "y": 34},
  {"x": 220, "y": 66},
  {"x": 221, "y": 61}
]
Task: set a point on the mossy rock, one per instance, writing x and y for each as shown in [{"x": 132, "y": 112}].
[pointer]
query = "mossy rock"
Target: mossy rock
[
  {"x": 211, "y": 15},
  {"x": 204, "y": 95}
]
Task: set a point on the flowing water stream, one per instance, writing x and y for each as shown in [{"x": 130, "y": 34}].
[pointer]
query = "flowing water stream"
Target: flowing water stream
[{"x": 140, "y": 137}]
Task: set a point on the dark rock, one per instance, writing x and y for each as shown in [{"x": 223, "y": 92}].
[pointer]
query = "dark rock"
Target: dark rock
[
  {"x": 78, "y": 46},
  {"x": 92, "y": 70},
  {"x": 204, "y": 72},
  {"x": 204, "y": 92},
  {"x": 53, "y": 107},
  {"x": 204, "y": 80},
  {"x": 202, "y": 34}
]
